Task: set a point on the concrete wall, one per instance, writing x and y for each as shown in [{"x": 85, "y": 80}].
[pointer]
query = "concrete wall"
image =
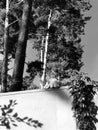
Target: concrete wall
[{"x": 51, "y": 107}]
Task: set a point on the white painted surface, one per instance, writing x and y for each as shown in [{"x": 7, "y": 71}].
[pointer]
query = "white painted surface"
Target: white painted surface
[{"x": 52, "y": 108}]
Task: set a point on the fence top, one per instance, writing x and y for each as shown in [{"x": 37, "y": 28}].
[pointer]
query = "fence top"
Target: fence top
[{"x": 32, "y": 91}]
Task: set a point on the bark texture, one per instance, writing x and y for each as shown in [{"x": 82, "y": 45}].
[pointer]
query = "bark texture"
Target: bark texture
[
  {"x": 5, "y": 50},
  {"x": 46, "y": 50},
  {"x": 17, "y": 76}
]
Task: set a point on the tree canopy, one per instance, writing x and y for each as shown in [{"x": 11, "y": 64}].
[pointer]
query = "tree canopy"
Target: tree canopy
[
  {"x": 68, "y": 22},
  {"x": 67, "y": 25}
]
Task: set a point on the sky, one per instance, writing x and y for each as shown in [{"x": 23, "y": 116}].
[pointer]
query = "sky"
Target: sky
[{"x": 90, "y": 42}]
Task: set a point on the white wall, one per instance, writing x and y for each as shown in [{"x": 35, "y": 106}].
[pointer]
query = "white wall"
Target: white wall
[{"x": 51, "y": 107}]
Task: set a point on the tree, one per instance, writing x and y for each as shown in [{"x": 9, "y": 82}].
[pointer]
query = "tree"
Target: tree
[
  {"x": 9, "y": 32},
  {"x": 5, "y": 60},
  {"x": 0, "y": 71},
  {"x": 67, "y": 25},
  {"x": 46, "y": 49},
  {"x": 34, "y": 69},
  {"x": 14, "y": 19},
  {"x": 21, "y": 48}
]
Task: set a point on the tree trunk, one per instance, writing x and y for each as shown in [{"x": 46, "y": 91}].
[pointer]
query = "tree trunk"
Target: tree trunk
[
  {"x": 17, "y": 76},
  {"x": 42, "y": 49},
  {"x": 46, "y": 50},
  {"x": 5, "y": 59}
]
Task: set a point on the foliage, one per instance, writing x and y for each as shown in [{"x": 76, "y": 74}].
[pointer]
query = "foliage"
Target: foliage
[
  {"x": 85, "y": 110},
  {"x": 8, "y": 76},
  {"x": 8, "y": 118},
  {"x": 67, "y": 25},
  {"x": 14, "y": 15},
  {"x": 27, "y": 80},
  {"x": 67, "y": 55},
  {"x": 34, "y": 67}
]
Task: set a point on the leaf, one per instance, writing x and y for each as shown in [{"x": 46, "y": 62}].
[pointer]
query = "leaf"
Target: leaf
[
  {"x": 35, "y": 126},
  {"x": 30, "y": 119},
  {"x": 3, "y": 113},
  {"x": 9, "y": 106},
  {"x": 19, "y": 119},
  {"x": 5, "y": 107},
  {"x": 12, "y": 120},
  {"x": 25, "y": 118},
  {"x": 11, "y": 101},
  {"x": 10, "y": 110},
  {"x": 8, "y": 126},
  {"x": 15, "y": 125},
  {"x": 40, "y": 124},
  {"x": 28, "y": 123},
  {"x": 15, "y": 103},
  {"x": 15, "y": 115},
  {"x": 35, "y": 121}
]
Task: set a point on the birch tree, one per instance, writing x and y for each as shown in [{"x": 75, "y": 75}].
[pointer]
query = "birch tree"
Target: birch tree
[
  {"x": 67, "y": 26},
  {"x": 9, "y": 37},
  {"x": 5, "y": 59},
  {"x": 46, "y": 49},
  {"x": 42, "y": 49}
]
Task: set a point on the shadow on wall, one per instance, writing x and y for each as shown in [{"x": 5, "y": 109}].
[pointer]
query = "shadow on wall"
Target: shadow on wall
[
  {"x": 62, "y": 94},
  {"x": 8, "y": 118}
]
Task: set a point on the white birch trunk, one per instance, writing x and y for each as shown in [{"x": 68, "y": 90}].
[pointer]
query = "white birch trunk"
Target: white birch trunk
[
  {"x": 46, "y": 50},
  {"x": 42, "y": 49},
  {"x": 5, "y": 58}
]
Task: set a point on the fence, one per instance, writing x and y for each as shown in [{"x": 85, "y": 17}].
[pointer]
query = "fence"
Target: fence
[{"x": 37, "y": 109}]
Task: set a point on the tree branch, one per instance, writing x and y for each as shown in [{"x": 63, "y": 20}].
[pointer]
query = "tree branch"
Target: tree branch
[
  {"x": 17, "y": 4},
  {"x": 13, "y": 22}
]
